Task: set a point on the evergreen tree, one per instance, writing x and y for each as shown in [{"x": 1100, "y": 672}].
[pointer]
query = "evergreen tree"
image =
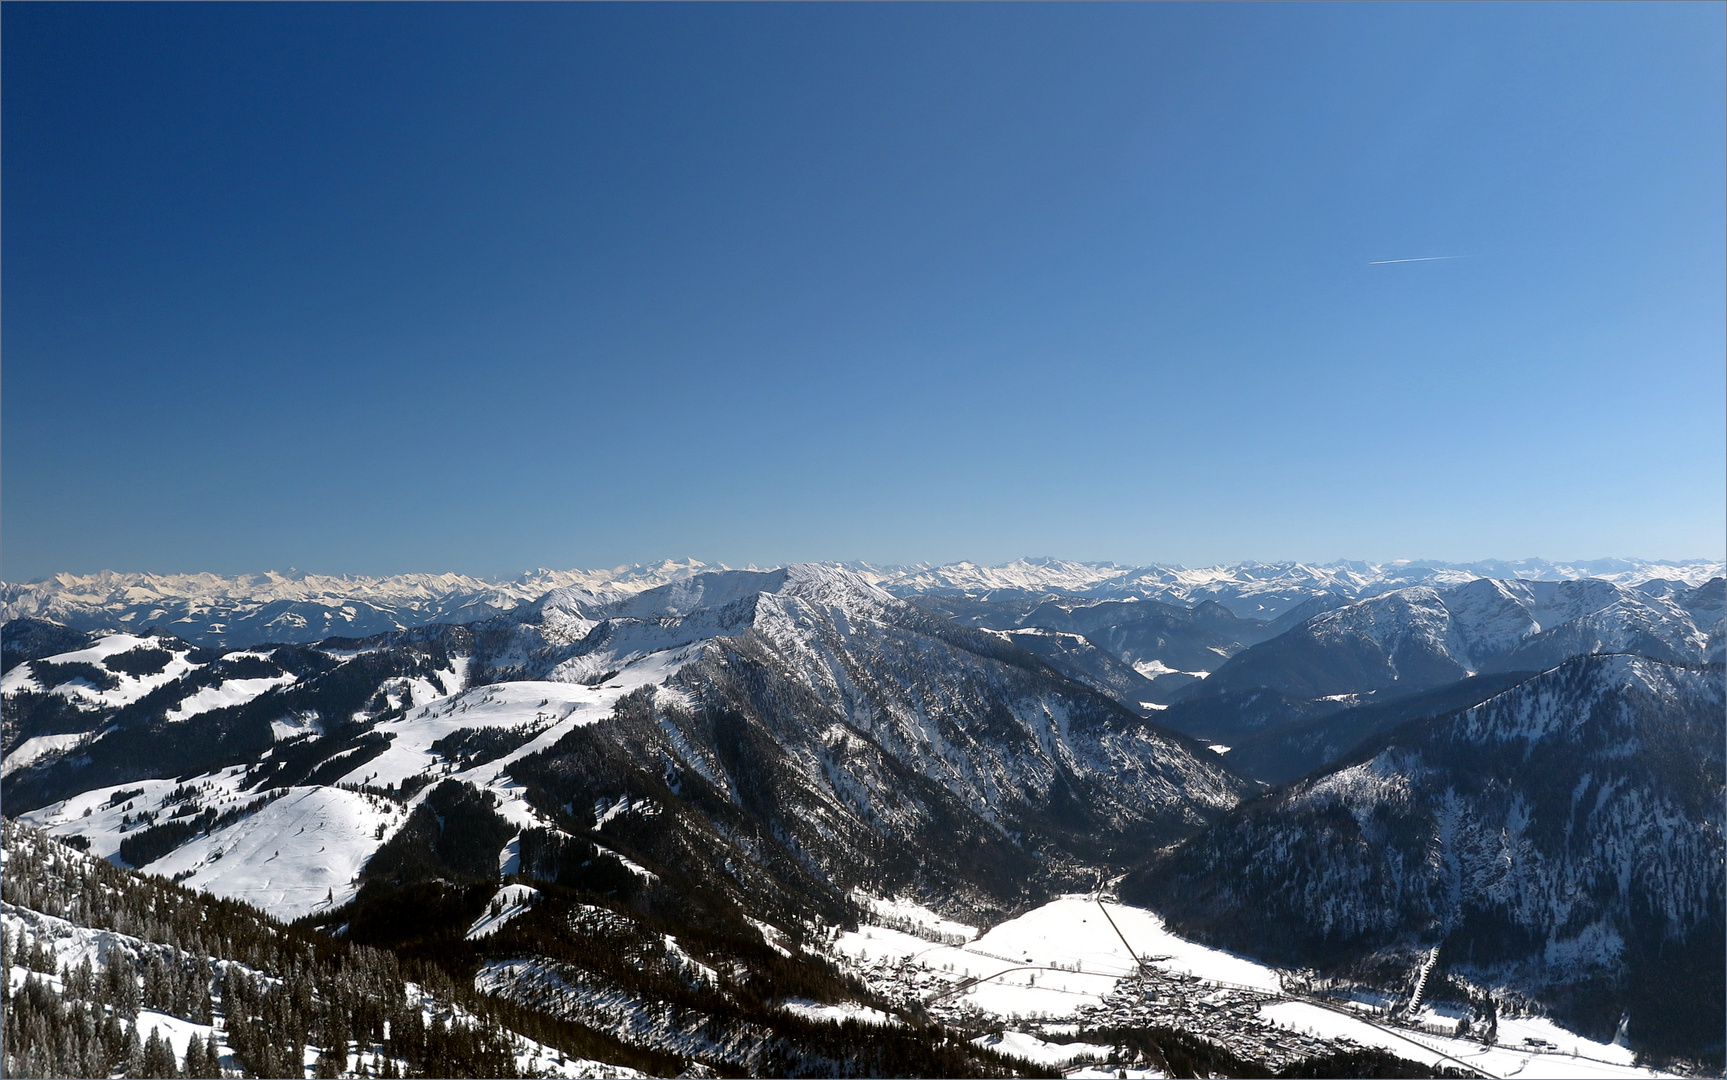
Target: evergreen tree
[
  {"x": 132, "y": 1057},
  {"x": 332, "y": 1062},
  {"x": 195, "y": 1067},
  {"x": 212, "y": 1059},
  {"x": 159, "y": 1057}
]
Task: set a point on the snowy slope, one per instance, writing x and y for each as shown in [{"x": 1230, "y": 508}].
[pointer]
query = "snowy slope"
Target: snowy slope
[
  {"x": 128, "y": 687},
  {"x": 761, "y": 753},
  {"x": 304, "y": 851},
  {"x": 116, "y": 958}
]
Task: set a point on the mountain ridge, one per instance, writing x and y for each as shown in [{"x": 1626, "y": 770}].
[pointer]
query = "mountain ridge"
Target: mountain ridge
[
  {"x": 213, "y": 610},
  {"x": 1564, "y": 835}
]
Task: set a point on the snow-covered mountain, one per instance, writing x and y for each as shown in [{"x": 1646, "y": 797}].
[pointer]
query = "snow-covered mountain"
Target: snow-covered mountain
[
  {"x": 107, "y": 972},
  {"x": 648, "y": 809},
  {"x": 873, "y": 720},
  {"x": 212, "y": 610},
  {"x": 1565, "y": 837},
  {"x": 215, "y": 611},
  {"x": 1420, "y": 637},
  {"x": 1261, "y": 590},
  {"x": 735, "y": 746},
  {"x": 708, "y": 767}
]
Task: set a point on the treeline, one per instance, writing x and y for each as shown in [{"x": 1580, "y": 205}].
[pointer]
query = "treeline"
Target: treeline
[
  {"x": 48, "y": 1034},
  {"x": 275, "y": 990},
  {"x": 150, "y": 844}
]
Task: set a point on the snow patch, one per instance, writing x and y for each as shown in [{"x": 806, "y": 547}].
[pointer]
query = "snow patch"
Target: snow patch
[
  {"x": 839, "y": 1014},
  {"x": 1032, "y": 1048},
  {"x": 230, "y": 693},
  {"x": 510, "y": 901},
  {"x": 30, "y": 751}
]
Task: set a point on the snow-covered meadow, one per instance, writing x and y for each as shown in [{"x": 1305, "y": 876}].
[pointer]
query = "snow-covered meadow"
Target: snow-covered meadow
[{"x": 1052, "y": 962}]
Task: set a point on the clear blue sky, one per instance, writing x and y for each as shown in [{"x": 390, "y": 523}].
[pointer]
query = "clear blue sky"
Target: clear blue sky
[{"x": 386, "y": 288}]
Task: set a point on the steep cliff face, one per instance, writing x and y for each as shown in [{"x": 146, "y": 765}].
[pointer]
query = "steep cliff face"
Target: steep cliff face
[
  {"x": 890, "y": 748},
  {"x": 1564, "y": 836}
]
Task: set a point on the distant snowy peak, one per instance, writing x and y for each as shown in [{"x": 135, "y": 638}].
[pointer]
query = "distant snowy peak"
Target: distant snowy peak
[
  {"x": 108, "y": 587},
  {"x": 213, "y": 610},
  {"x": 1036, "y": 575},
  {"x": 813, "y": 582},
  {"x": 1265, "y": 590},
  {"x": 574, "y": 634}
]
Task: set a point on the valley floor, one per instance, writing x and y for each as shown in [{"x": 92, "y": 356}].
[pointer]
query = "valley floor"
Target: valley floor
[{"x": 1079, "y": 964}]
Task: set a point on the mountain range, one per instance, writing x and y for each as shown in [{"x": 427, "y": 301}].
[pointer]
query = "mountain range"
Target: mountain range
[
  {"x": 212, "y": 610},
  {"x": 648, "y": 800}
]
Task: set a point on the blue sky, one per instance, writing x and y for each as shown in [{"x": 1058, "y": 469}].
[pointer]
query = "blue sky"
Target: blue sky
[{"x": 388, "y": 288}]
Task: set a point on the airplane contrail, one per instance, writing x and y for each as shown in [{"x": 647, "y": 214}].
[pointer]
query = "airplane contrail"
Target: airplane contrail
[{"x": 1430, "y": 258}]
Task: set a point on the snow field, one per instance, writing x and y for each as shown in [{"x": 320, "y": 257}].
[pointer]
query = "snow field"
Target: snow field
[
  {"x": 899, "y": 912},
  {"x": 1064, "y": 955},
  {"x": 301, "y": 853},
  {"x": 29, "y": 750},
  {"x": 86, "y": 814},
  {"x": 178, "y": 1033},
  {"x": 839, "y": 1014},
  {"x": 511, "y": 901},
  {"x": 552, "y": 706},
  {"x": 230, "y": 693},
  {"x": 1054, "y": 960},
  {"x": 130, "y": 688},
  {"x": 558, "y": 707},
  {"x": 1509, "y": 1057},
  {"x": 1032, "y": 1048},
  {"x": 304, "y": 851}
]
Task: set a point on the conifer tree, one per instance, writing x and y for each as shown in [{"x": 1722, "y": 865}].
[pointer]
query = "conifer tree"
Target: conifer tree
[
  {"x": 332, "y": 1062},
  {"x": 132, "y": 1057},
  {"x": 195, "y": 1067},
  {"x": 159, "y": 1057}
]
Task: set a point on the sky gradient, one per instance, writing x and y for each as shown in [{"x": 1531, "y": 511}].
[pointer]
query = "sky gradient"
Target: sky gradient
[{"x": 387, "y": 288}]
